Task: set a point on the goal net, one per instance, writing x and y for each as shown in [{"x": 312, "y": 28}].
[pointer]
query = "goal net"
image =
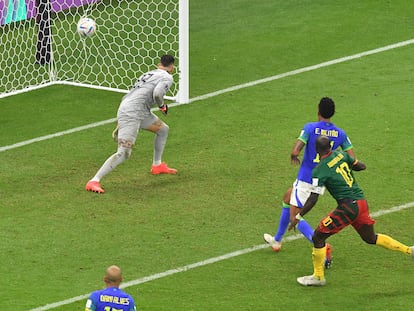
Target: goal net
[{"x": 41, "y": 45}]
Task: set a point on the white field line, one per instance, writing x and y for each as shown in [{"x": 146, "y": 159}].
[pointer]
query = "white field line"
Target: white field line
[
  {"x": 41, "y": 138},
  {"x": 306, "y": 69},
  {"x": 204, "y": 262},
  {"x": 230, "y": 89}
]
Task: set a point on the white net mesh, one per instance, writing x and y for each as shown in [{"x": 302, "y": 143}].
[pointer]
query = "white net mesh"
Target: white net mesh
[
  {"x": 18, "y": 40},
  {"x": 129, "y": 40}
]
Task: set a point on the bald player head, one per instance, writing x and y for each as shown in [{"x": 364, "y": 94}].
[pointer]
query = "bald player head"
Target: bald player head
[
  {"x": 113, "y": 276},
  {"x": 323, "y": 145}
]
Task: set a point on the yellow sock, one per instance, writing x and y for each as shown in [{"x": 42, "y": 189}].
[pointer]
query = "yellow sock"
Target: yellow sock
[
  {"x": 318, "y": 258},
  {"x": 388, "y": 242}
]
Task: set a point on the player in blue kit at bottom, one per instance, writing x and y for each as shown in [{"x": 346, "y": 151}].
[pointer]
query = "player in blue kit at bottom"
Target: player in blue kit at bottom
[
  {"x": 111, "y": 298},
  {"x": 297, "y": 195}
]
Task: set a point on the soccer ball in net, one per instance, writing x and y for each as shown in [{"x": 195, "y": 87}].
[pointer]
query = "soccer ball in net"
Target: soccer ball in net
[{"x": 86, "y": 27}]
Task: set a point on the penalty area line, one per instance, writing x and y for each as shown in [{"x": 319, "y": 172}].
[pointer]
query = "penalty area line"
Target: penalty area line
[
  {"x": 223, "y": 91},
  {"x": 205, "y": 262}
]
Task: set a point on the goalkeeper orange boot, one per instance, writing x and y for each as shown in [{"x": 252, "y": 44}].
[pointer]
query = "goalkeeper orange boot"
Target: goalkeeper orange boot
[
  {"x": 94, "y": 186},
  {"x": 328, "y": 256},
  {"x": 162, "y": 169}
]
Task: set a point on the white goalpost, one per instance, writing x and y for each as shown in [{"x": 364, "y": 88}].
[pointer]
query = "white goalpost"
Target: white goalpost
[{"x": 41, "y": 46}]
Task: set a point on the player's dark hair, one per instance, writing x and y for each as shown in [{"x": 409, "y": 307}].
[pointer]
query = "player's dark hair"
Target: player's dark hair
[
  {"x": 326, "y": 107},
  {"x": 167, "y": 60}
]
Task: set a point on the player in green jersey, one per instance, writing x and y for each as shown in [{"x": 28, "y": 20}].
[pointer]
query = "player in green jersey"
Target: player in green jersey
[{"x": 334, "y": 172}]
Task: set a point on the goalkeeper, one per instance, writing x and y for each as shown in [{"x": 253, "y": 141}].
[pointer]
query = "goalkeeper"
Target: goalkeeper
[
  {"x": 334, "y": 172},
  {"x": 134, "y": 113}
]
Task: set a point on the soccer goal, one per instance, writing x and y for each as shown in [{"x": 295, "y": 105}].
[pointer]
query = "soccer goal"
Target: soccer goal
[{"x": 41, "y": 46}]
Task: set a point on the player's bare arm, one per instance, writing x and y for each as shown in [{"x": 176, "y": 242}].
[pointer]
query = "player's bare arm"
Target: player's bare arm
[
  {"x": 294, "y": 154},
  {"x": 351, "y": 152}
]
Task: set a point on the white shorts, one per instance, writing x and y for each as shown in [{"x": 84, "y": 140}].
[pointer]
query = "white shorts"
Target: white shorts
[{"x": 300, "y": 193}]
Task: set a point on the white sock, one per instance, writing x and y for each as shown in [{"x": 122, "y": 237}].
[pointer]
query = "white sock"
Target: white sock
[
  {"x": 159, "y": 144},
  {"x": 113, "y": 161}
]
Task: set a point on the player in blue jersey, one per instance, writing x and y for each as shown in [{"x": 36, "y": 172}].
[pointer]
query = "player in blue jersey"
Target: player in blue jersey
[
  {"x": 111, "y": 298},
  {"x": 296, "y": 196}
]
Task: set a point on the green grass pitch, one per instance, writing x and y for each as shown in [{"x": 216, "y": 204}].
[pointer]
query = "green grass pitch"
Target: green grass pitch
[{"x": 232, "y": 153}]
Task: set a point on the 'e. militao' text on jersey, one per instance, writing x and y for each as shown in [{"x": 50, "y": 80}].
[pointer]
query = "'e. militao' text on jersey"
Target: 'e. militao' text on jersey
[{"x": 308, "y": 135}]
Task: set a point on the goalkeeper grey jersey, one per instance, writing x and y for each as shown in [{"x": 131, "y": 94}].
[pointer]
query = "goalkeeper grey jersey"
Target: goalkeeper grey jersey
[{"x": 149, "y": 90}]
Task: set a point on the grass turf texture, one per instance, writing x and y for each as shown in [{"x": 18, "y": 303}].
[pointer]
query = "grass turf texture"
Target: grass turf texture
[{"x": 232, "y": 152}]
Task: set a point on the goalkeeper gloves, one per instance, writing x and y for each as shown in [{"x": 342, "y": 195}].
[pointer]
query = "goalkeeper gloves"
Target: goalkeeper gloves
[{"x": 164, "y": 109}]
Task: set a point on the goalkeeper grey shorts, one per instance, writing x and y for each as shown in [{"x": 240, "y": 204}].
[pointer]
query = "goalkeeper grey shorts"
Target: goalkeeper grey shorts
[{"x": 129, "y": 127}]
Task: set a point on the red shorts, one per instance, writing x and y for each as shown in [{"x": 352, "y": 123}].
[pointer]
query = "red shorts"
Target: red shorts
[{"x": 348, "y": 212}]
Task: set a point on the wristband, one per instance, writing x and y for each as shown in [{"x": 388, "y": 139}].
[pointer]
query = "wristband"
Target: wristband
[{"x": 298, "y": 216}]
